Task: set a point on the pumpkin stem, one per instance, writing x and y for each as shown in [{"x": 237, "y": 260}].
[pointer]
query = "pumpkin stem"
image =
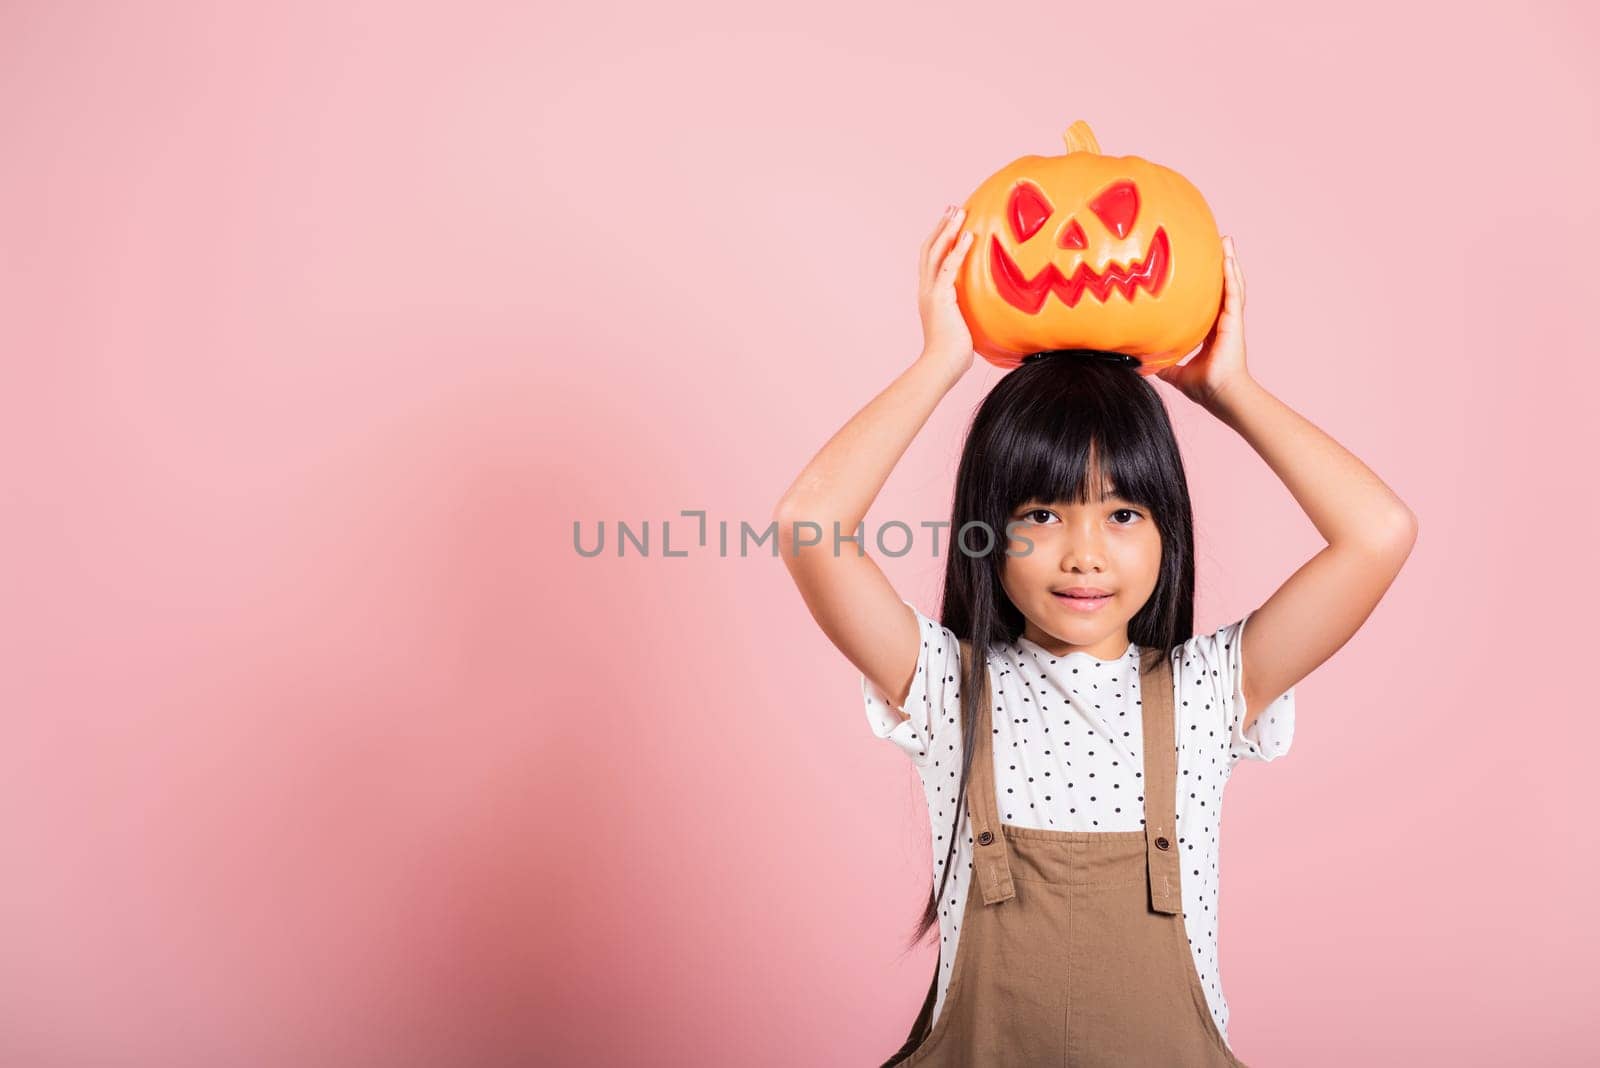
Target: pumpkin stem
[{"x": 1080, "y": 138}]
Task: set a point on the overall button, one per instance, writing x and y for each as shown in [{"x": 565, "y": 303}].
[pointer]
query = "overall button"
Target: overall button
[
  {"x": 1162, "y": 843},
  {"x": 986, "y": 837}
]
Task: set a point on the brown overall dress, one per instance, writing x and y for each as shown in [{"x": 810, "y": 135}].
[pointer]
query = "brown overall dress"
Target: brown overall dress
[{"x": 1073, "y": 950}]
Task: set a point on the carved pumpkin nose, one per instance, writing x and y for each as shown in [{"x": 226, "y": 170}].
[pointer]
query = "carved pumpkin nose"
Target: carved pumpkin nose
[{"x": 1074, "y": 237}]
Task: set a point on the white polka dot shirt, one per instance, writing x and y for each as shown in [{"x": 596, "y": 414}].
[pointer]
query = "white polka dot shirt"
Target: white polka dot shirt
[{"x": 1068, "y": 747}]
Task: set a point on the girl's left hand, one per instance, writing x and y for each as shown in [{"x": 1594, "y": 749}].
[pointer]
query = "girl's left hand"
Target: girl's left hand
[{"x": 1220, "y": 361}]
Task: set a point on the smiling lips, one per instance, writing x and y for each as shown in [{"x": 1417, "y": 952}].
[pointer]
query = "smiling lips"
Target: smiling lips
[
  {"x": 1076, "y": 600},
  {"x": 1028, "y": 294}
]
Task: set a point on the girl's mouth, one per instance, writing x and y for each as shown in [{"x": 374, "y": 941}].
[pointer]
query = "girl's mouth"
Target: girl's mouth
[{"x": 1083, "y": 604}]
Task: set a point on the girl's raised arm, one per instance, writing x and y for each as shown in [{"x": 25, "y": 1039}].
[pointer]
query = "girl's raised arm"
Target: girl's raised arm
[
  {"x": 848, "y": 595},
  {"x": 1370, "y": 531}
]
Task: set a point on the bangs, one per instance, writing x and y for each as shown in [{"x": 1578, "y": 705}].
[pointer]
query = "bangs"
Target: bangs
[{"x": 1074, "y": 460}]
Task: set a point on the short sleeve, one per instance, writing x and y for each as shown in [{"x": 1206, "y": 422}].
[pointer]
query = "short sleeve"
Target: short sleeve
[
  {"x": 933, "y": 704},
  {"x": 1221, "y": 656}
]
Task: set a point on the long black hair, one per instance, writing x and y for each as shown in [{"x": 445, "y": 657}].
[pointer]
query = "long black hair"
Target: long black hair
[{"x": 1060, "y": 427}]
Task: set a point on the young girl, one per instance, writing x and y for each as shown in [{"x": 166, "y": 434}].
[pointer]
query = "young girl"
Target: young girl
[{"x": 1072, "y": 733}]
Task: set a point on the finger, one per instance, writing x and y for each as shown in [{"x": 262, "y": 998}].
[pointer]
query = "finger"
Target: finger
[
  {"x": 1230, "y": 283},
  {"x": 1236, "y": 271},
  {"x": 923, "y": 256},
  {"x": 950, "y": 231},
  {"x": 946, "y": 237},
  {"x": 958, "y": 253},
  {"x": 938, "y": 228},
  {"x": 949, "y": 219}
]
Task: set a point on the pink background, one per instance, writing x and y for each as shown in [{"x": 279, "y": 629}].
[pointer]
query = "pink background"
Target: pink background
[{"x": 324, "y": 322}]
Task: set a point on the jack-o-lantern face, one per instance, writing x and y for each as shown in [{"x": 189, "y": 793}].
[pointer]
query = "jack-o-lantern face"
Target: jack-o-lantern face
[
  {"x": 1085, "y": 251},
  {"x": 1117, "y": 208}
]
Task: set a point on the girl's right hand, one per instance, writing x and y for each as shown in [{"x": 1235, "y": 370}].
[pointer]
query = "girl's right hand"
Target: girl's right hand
[{"x": 945, "y": 337}]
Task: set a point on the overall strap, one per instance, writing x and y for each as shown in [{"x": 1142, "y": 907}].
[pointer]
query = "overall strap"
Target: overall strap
[
  {"x": 990, "y": 859},
  {"x": 1160, "y": 780}
]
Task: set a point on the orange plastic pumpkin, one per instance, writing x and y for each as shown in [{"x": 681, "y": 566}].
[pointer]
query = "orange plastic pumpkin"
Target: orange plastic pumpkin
[{"x": 1085, "y": 251}]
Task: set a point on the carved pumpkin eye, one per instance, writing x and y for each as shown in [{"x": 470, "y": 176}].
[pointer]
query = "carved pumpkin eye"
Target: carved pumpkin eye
[
  {"x": 1027, "y": 210},
  {"x": 1117, "y": 205}
]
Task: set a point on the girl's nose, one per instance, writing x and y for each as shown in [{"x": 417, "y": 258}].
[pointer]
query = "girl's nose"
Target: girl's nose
[{"x": 1084, "y": 559}]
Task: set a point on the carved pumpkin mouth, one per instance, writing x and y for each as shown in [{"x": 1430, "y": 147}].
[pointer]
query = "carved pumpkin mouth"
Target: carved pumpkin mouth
[{"x": 1028, "y": 294}]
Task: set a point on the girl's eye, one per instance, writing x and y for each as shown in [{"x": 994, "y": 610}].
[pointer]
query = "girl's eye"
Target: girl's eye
[{"x": 1032, "y": 514}]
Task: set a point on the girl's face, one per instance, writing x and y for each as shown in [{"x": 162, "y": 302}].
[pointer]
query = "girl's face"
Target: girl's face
[{"x": 1113, "y": 545}]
